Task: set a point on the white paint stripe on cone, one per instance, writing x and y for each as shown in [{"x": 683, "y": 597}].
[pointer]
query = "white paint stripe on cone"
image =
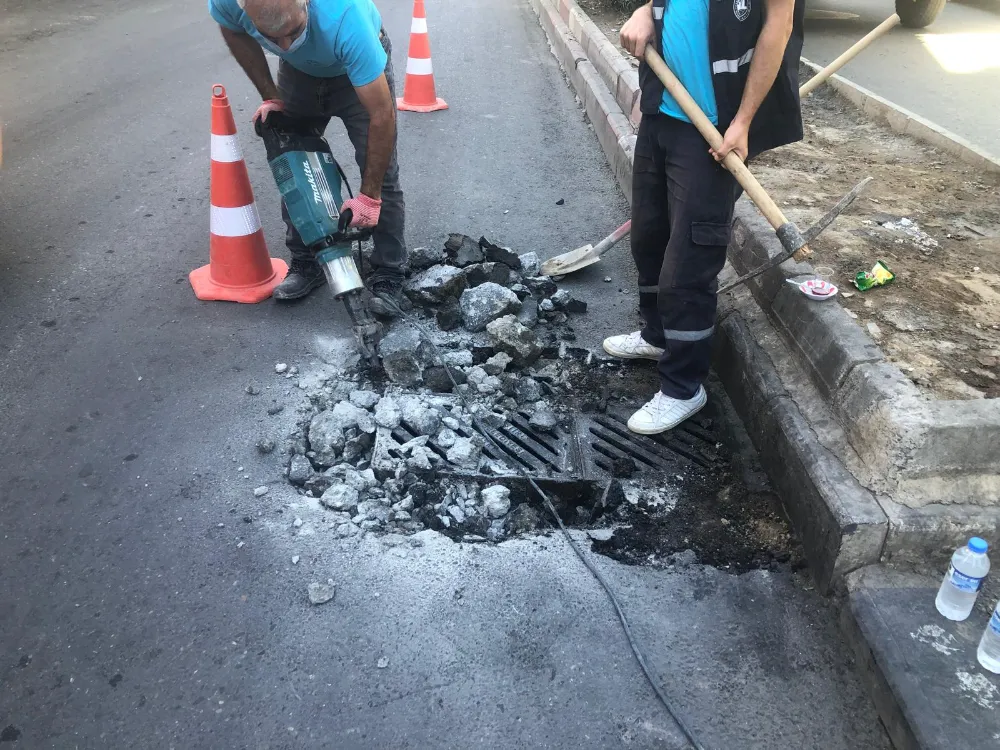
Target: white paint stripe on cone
[
  {"x": 418, "y": 66},
  {"x": 234, "y": 222},
  {"x": 418, "y": 26},
  {"x": 226, "y": 148}
]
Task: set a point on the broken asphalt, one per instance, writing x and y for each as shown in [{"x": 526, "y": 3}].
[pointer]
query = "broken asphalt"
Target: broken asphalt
[{"x": 148, "y": 598}]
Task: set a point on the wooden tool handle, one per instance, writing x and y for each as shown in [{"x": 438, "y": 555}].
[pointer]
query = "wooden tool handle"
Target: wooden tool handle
[
  {"x": 808, "y": 87},
  {"x": 612, "y": 239},
  {"x": 732, "y": 162}
]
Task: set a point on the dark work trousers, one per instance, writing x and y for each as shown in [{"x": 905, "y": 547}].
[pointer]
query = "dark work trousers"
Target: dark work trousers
[
  {"x": 310, "y": 96},
  {"x": 682, "y": 213}
]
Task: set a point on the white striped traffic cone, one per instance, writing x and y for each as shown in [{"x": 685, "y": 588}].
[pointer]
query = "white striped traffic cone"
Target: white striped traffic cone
[
  {"x": 418, "y": 90},
  {"x": 239, "y": 269}
]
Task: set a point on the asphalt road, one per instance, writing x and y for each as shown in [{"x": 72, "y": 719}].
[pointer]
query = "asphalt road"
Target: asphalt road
[
  {"x": 148, "y": 600},
  {"x": 948, "y": 72}
]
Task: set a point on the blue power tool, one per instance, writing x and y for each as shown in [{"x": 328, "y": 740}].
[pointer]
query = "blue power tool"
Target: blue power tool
[{"x": 312, "y": 185}]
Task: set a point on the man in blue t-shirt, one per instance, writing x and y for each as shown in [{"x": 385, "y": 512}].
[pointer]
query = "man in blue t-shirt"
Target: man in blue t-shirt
[{"x": 335, "y": 61}]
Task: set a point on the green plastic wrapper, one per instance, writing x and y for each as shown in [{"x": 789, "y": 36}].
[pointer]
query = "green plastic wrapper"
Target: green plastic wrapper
[{"x": 880, "y": 275}]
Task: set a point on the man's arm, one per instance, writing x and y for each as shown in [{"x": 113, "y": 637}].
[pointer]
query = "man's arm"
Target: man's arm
[
  {"x": 377, "y": 100},
  {"x": 767, "y": 59},
  {"x": 638, "y": 31},
  {"x": 250, "y": 56}
]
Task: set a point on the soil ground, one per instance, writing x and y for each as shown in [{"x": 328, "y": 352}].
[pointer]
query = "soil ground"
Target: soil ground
[{"x": 939, "y": 321}]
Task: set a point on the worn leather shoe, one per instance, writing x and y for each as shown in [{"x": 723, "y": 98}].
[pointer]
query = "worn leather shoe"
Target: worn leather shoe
[
  {"x": 303, "y": 276},
  {"x": 387, "y": 295}
]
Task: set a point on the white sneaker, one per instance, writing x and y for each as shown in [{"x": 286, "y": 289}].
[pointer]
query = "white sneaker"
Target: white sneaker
[
  {"x": 663, "y": 413},
  {"x": 631, "y": 346}
]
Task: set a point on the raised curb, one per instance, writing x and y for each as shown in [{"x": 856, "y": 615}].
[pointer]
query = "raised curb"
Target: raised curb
[
  {"x": 902, "y": 120},
  {"x": 840, "y": 522}
]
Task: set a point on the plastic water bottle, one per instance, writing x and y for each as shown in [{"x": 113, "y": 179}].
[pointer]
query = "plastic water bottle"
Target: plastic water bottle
[
  {"x": 989, "y": 645},
  {"x": 958, "y": 592}
]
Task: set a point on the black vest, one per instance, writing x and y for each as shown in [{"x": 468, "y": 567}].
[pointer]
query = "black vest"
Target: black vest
[{"x": 733, "y": 28}]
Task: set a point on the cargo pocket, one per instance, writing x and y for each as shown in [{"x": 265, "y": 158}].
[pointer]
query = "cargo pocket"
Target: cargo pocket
[{"x": 708, "y": 234}]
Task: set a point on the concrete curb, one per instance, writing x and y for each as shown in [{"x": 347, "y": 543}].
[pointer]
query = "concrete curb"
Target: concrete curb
[{"x": 909, "y": 123}]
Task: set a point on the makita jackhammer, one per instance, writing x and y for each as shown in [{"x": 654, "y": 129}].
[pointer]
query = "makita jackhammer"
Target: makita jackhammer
[{"x": 311, "y": 183}]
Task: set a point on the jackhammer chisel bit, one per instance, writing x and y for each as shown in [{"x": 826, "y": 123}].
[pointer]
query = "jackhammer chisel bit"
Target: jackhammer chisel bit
[{"x": 793, "y": 240}]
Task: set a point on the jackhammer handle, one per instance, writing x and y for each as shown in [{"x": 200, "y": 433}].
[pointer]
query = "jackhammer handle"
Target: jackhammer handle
[{"x": 732, "y": 162}]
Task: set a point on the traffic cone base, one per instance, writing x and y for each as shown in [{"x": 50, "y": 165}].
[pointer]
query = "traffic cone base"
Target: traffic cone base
[
  {"x": 437, "y": 105},
  {"x": 206, "y": 288},
  {"x": 239, "y": 268}
]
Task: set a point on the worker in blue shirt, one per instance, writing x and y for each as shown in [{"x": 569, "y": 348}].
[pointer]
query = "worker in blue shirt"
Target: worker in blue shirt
[
  {"x": 335, "y": 61},
  {"x": 738, "y": 59}
]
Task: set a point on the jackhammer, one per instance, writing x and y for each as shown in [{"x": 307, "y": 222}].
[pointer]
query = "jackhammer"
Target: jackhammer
[{"x": 312, "y": 184}]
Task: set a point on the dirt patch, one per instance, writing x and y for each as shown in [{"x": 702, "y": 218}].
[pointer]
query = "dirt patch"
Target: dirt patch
[{"x": 933, "y": 221}]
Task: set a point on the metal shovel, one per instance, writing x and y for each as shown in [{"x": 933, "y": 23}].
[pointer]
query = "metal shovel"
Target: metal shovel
[{"x": 584, "y": 256}]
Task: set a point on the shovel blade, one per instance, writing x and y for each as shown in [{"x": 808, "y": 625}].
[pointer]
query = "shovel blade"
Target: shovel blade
[{"x": 569, "y": 262}]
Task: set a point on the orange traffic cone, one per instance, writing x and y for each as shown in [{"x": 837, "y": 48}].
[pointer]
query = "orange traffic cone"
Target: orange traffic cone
[
  {"x": 418, "y": 91},
  {"x": 239, "y": 269}
]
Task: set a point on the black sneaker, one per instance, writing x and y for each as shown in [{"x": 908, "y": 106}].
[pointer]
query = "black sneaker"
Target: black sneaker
[
  {"x": 387, "y": 295},
  {"x": 303, "y": 276}
]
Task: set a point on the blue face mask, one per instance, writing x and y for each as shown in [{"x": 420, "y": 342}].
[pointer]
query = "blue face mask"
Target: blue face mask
[
  {"x": 302, "y": 37},
  {"x": 299, "y": 41}
]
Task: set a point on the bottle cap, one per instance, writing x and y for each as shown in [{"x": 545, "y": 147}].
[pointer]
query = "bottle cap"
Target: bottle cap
[{"x": 977, "y": 545}]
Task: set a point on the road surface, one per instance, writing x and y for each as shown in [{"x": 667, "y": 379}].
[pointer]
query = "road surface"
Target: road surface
[
  {"x": 148, "y": 599},
  {"x": 948, "y": 72}
]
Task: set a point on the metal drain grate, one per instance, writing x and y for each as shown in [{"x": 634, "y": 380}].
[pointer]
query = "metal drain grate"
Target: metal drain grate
[
  {"x": 552, "y": 456},
  {"x": 584, "y": 449},
  {"x": 608, "y": 439}
]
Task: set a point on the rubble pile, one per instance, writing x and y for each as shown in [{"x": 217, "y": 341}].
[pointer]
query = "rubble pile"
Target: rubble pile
[{"x": 504, "y": 340}]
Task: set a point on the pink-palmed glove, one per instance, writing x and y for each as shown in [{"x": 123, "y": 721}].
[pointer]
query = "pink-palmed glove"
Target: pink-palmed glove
[
  {"x": 364, "y": 210},
  {"x": 271, "y": 105}
]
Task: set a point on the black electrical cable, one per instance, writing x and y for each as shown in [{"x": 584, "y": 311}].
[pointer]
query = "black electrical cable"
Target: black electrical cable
[{"x": 636, "y": 651}]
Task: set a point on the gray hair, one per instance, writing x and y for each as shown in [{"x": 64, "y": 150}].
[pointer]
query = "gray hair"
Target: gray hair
[{"x": 271, "y": 15}]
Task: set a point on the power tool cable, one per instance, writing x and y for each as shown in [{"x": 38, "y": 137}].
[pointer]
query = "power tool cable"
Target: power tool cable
[{"x": 636, "y": 650}]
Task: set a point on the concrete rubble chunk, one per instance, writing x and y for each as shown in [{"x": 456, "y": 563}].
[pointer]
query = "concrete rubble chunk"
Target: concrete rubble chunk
[
  {"x": 260, "y": 491},
  {"x": 299, "y": 470},
  {"x": 387, "y": 413},
  {"x": 360, "y": 480},
  {"x": 496, "y": 500},
  {"x": 546, "y": 306},
  {"x": 523, "y": 519},
  {"x": 561, "y": 298},
  {"x": 348, "y": 415},
  {"x": 528, "y": 317},
  {"x": 446, "y": 438},
  {"x": 357, "y": 447},
  {"x": 340, "y": 497},
  {"x": 419, "y": 459},
  {"x": 449, "y": 317},
  {"x": 527, "y": 390},
  {"x": 364, "y": 399},
  {"x": 461, "y": 358},
  {"x": 497, "y": 363},
  {"x": 321, "y": 593},
  {"x": 496, "y": 254},
  {"x": 486, "y": 303},
  {"x": 418, "y": 417},
  {"x": 405, "y": 355},
  {"x": 457, "y": 513},
  {"x": 531, "y": 265},
  {"x": 326, "y": 438},
  {"x": 420, "y": 258},
  {"x": 436, "y": 284},
  {"x": 465, "y": 453},
  {"x": 543, "y": 418},
  {"x": 515, "y": 339},
  {"x": 463, "y": 250},
  {"x": 540, "y": 286}
]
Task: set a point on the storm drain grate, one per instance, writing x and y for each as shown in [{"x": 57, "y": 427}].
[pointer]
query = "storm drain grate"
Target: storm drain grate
[
  {"x": 584, "y": 448},
  {"x": 541, "y": 454},
  {"x": 609, "y": 439}
]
